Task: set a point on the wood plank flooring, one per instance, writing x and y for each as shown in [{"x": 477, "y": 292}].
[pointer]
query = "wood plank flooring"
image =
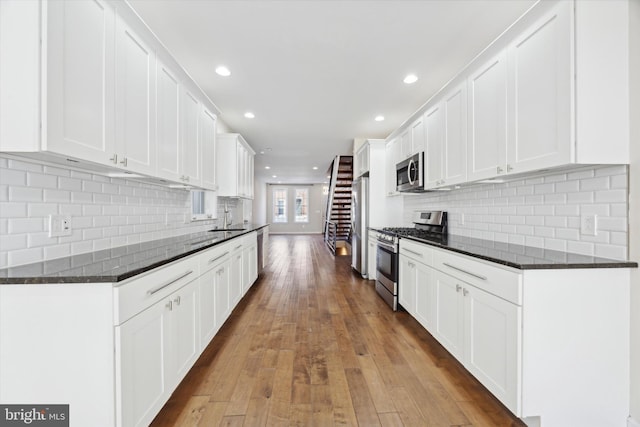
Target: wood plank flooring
[{"x": 312, "y": 344}]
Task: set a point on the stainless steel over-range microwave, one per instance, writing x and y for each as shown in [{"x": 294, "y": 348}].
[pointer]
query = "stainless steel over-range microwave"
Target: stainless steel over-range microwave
[{"x": 410, "y": 174}]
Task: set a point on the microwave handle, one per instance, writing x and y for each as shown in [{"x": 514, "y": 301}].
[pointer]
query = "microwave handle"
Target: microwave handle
[{"x": 411, "y": 168}]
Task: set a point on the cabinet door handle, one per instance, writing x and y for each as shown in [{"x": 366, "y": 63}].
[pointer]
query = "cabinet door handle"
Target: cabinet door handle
[
  {"x": 412, "y": 265},
  {"x": 465, "y": 271},
  {"x": 114, "y": 159},
  {"x": 170, "y": 282},
  {"x": 220, "y": 271},
  {"x": 509, "y": 168},
  {"x": 177, "y": 300},
  {"x": 465, "y": 292},
  {"x": 169, "y": 305},
  {"x": 212, "y": 260},
  {"x": 123, "y": 162},
  {"x": 499, "y": 169},
  {"x": 413, "y": 252},
  {"x": 458, "y": 287},
  {"x": 237, "y": 247}
]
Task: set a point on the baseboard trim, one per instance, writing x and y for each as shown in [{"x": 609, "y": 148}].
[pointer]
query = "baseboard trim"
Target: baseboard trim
[{"x": 632, "y": 423}]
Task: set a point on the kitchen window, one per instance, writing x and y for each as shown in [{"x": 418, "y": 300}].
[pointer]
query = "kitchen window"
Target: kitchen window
[
  {"x": 301, "y": 204},
  {"x": 280, "y": 205}
]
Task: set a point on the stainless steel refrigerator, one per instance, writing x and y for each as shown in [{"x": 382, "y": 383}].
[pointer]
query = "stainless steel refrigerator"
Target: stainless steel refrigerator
[{"x": 359, "y": 224}]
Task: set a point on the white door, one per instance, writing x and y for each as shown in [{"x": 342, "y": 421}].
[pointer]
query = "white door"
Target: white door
[
  {"x": 434, "y": 125},
  {"x": 168, "y": 125},
  {"x": 207, "y": 307},
  {"x": 222, "y": 293},
  {"x": 455, "y": 141},
  {"x": 142, "y": 348},
  {"x": 425, "y": 296},
  {"x": 191, "y": 149},
  {"x": 80, "y": 80},
  {"x": 448, "y": 319},
  {"x": 407, "y": 284},
  {"x": 184, "y": 331},
  {"x": 492, "y": 344},
  {"x": 487, "y": 119},
  {"x": 237, "y": 280},
  {"x": 135, "y": 101},
  {"x": 208, "y": 141},
  {"x": 540, "y": 93}
]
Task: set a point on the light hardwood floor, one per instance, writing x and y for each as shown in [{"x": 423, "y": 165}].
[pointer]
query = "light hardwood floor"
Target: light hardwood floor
[{"x": 312, "y": 344}]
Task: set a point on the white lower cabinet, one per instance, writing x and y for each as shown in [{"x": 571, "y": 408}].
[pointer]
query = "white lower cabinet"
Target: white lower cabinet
[
  {"x": 249, "y": 265},
  {"x": 372, "y": 261},
  {"x": 236, "y": 285},
  {"x": 155, "y": 349}
]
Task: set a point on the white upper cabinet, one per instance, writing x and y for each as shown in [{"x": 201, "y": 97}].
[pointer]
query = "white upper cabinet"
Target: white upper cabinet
[
  {"x": 191, "y": 172},
  {"x": 392, "y": 156},
  {"x": 434, "y": 124},
  {"x": 108, "y": 96},
  {"x": 540, "y": 94},
  {"x": 168, "y": 129},
  {"x": 79, "y": 80},
  {"x": 208, "y": 141},
  {"x": 135, "y": 147},
  {"x": 417, "y": 136},
  {"x": 455, "y": 140},
  {"x": 234, "y": 166},
  {"x": 488, "y": 119}
]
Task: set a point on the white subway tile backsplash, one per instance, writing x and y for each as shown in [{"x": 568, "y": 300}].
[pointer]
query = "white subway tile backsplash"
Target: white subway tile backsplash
[
  {"x": 70, "y": 184},
  {"x": 13, "y": 242},
  {"x": 13, "y": 210},
  {"x": 57, "y": 196},
  {"x": 24, "y": 256},
  {"x": 543, "y": 211},
  {"x": 25, "y": 194},
  {"x": 57, "y": 251},
  {"x": 40, "y": 180},
  {"x": 611, "y": 251},
  {"x": 13, "y": 177}
]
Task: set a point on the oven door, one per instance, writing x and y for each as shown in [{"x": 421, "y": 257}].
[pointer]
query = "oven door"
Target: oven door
[{"x": 387, "y": 266}]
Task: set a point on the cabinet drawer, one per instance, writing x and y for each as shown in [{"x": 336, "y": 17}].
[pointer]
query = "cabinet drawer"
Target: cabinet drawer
[
  {"x": 214, "y": 256},
  {"x": 418, "y": 251},
  {"x": 136, "y": 295},
  {"x": 504, "y": 283}
]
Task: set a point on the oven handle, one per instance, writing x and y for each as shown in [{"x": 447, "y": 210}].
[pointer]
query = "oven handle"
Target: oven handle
[{"x": 388, "y": 247}]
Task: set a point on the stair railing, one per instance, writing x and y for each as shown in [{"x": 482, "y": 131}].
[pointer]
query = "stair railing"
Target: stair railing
[{"x": 332, "y": 189}]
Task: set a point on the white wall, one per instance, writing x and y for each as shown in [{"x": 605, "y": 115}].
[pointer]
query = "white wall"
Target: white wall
[
  {"x": 543, "y": 212},
  {"x": 315, "y": 210},
  {"x": 634, "y": 211}
]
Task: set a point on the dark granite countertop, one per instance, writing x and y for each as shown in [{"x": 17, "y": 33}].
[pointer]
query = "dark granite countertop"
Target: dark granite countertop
[
  {"x": 521, "y": 257},
  {"x": 118, "y": 264}
]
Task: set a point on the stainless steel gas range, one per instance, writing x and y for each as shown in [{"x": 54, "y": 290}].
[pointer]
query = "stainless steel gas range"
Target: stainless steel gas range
[{"x": 428, "y": 225}]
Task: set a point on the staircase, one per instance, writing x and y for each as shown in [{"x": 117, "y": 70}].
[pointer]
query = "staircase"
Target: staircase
[{"x": 338, "y": 214}]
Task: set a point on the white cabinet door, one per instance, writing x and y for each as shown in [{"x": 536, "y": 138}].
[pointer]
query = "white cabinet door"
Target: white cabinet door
[
  {"x": 222, "y": 293},
  {"x": 135, "y": 101},
  {"x": 208, "y": 140},
  {"x": 540, "y": 94},
  {"x": 237, "y": 280},
  {"x": 448, "y": 321},
  {"x": 249, "y": 267},
  {"x": 190, "y": 145},
  {"x": 392, "y": 156},
  {"x": 487, "y": 119},
  {"x": 425, "y": 295},
  {"x": 417, "y": 136},
  {"x": 185, "y": 334},
  {"x": 491, "y": 344},
  {"x": 435, "y": 133},
  {"x": 455, "y": 141},
  {"x": 234, "y": 166},
  {"x": 207, "y": 307},
  {"x": 407, "y": 278},
  {"x": 168, "y": 125},
  {"x": 405, "y": 145},
  {"x": 372, "y": 256},
  {"x": 143, "y": 347},
  {"x": 80, "y": 80}
]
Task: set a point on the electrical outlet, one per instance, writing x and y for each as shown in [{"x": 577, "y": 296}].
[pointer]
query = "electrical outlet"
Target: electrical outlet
[
  {"x": 59, "y": 225},
  {"x": 589, "y": 225}
]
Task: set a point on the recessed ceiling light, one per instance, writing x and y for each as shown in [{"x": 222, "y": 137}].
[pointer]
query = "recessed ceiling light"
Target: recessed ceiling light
[
  {"x": 267, "y": 167},
  {"x": 223, "y": 71},
  {"x": 315, "y": 168},
  {"x": 329, "y": 176},
  {"x": 411, "y": 78},
  {"x": 274, "y": 176},
  {"x": 249, "y": 115},
  {"x": 379, "y": 118}
]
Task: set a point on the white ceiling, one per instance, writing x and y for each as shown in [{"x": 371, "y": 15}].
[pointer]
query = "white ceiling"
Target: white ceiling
[{"x": 316, "y": 72}]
